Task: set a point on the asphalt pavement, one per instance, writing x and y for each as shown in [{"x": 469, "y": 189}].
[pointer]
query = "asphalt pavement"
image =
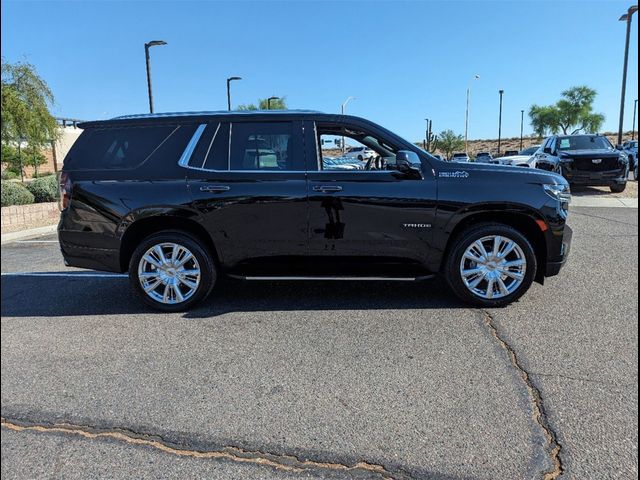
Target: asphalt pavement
[{"x": 331, "y": 380}]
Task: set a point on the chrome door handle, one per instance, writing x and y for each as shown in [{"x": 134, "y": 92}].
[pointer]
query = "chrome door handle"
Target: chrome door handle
[
  {"x": 327, "y": 188},
  {"x": 215, "y": 188}
]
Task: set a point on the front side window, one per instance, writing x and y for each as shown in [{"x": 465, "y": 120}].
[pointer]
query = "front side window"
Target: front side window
[
  {"x": 264, "y": 146},
  {"x": 342, "y": 148}
]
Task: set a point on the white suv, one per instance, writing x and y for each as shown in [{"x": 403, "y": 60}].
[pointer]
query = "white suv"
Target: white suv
[{"x": 361, "y": 153}]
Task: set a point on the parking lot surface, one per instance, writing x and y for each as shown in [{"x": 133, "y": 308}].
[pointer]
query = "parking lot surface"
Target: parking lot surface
[{"x": 344, "y": 380}]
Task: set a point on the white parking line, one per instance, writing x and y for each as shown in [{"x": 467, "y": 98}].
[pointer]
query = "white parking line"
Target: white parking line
[{"x": 71, "y": 275}]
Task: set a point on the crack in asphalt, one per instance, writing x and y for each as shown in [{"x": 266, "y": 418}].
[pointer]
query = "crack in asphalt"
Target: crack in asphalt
[
  {"x": 283, "y": 462},
  {"x": 604, "y": 218},
  {"x": 553, "y": 447}
]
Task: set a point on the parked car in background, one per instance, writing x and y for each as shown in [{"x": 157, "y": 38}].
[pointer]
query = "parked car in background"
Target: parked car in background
[
  {"x": 630, "y": 147},
  {"x": 361, "y": 153},
  {"x": 510, "y": 153},
  {"x": 524, "y": 158},
  {"x": 589, "y": 160},
  {"x": 485, "y": 157},
  {"x": 460, "y": 158},
  {"x": 180, "y": 200},
  {"x": 341, "y": 163}
]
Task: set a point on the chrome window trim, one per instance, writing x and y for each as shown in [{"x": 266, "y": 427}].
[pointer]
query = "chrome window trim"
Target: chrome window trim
[{"x": 191, "y": 146}]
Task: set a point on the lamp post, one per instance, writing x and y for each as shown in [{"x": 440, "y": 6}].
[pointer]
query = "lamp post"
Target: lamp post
[
  {"x": 627, "y": 17},
  {"x": 147, "y": 46},
  {"x": 501, "y": 92},
  {"x": 633, "y": 125},
  {"x": 229, "y": 80},
  {"x": 342, "y": 109},
  {"x": 521, "y": 126},
  {"x": 426, "y": 135},
  {"x": 269, "y": 101},
  {"x": 466, "y": 114}
]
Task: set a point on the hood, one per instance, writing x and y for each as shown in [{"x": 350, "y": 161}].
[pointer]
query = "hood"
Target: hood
[
  {"x": 593, "y": 153},
  {"x": 509, "y": 174}
]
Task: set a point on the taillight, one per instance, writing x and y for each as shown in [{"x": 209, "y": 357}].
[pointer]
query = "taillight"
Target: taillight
[{"x": 65, "y": 189}]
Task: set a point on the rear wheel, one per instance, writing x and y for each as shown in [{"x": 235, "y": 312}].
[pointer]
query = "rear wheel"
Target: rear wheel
[
  {"x": 491, "y": 265},
  {"x": 171, "y": 271},
  {"x": 619, "y": 187}
]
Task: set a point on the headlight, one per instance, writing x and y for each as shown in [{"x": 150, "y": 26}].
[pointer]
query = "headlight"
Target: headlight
[{"x": 561, "y": 192}]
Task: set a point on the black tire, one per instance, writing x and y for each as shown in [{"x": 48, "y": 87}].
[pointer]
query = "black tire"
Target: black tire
[
  {"x": 468, "y": 237},
  {"x": 360, "y": 158},
  {"x": 618, "y": 187},
  {"x": 205, "y": 261}
]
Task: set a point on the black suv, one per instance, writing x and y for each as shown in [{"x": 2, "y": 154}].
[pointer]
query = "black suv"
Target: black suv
[
  {"x": 179, "y": 199},
  {"x": 589, "y": 160}
]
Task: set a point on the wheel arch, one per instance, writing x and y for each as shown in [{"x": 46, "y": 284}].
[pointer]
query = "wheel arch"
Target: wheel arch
[
  {"x": 523, "y": 221},
  {"x": 141, "y": 228}
]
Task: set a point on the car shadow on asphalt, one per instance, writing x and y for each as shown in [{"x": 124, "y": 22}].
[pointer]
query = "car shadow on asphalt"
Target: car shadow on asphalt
[{"x": 38, "y": 296}]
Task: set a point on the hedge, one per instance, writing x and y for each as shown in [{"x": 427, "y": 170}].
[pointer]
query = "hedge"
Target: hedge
[
  {"x": 14, "y": 193},
  {"x": 44, "y": 189}
]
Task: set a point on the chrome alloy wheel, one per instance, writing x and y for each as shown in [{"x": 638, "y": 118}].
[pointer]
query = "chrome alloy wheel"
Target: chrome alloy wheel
[
  {"x": 493, "y": 267},
  {"x": 169, "y": 273}
]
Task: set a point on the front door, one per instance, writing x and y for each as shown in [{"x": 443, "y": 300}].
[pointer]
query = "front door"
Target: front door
[
  {"x": 366, "y": 212},
  {"x": 247, "y": 179}
]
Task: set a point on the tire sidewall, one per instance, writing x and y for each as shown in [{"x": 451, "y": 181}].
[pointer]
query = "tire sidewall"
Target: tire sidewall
[
  {"x": 207, "y": 269},
  {"x": 469, "y": 236}
]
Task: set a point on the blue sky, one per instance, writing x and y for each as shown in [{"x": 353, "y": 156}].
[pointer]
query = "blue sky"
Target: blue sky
[{"x": 403, "y": 61}]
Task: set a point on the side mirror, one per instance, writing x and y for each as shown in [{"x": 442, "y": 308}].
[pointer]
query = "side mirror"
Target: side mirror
[
  {"x": 619, "y": 147},
  {"x": 547, "y": 150},
  {"x": 408, "y": 163}
]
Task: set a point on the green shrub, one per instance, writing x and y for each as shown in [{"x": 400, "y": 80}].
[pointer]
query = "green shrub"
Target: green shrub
[
  {"x": 14, "y": 193},
  {"x": 44, "y": 189},
  {"x": 42, "y": 174},
  {"x": 9, "y": 175}
]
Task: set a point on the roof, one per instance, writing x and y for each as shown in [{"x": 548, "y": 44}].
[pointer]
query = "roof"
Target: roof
[
  {"x": 199, "y": 115},
  {"x": 212, "y": 113}
]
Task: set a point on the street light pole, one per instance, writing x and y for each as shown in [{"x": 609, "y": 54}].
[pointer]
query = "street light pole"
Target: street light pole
[
  {"x": 633, "y": 125},
  {"x": 466, "y": 115},
  {"x": 147, "y": 46},
  {"x": 626, "y": 17},
  {"x": 269, "y": 101},
  {"x": 501, "y": 92},
  {"x": 229, "y": 80},
  {"x": 342, "y": 109},
  {"x": 521, "y": 126}
]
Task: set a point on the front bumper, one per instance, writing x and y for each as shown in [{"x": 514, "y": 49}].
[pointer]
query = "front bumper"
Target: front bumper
[{"x": 555, "y": 264}]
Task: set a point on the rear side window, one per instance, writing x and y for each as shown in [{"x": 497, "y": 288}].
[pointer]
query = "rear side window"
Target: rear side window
[
  {"x": 264, "y": 146},
  {"x": 122, "y": 148},
  {"x": 212, "y": 151}
]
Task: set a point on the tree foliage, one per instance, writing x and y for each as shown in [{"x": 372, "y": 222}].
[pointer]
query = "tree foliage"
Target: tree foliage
[
  {"x": 571, "y": 114},
  {"x": 263, "y": 104},
  {"x": 26, "y": 99},
  {"x": 449, "y": 142},
  {"x": 16, "y": 159}
]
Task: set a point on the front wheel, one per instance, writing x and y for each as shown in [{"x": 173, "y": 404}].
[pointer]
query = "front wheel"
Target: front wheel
[
  {"x": 491, "y": 265},
  {"x": 171, "y": 271},
  {"x": 618, "y": 187}
]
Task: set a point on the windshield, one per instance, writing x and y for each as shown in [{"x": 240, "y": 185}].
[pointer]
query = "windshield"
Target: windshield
[
  {"x": 529, "y": 151},
  {"x": 584, "y": 142}
]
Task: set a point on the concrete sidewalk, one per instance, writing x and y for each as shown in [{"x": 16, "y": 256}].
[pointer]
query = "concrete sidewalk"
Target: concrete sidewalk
[
  {"x": 30, "y": 233},
  {"x": 609, "y": 202}
]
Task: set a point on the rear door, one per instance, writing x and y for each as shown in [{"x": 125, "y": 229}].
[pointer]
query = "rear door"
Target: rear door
[
  {"x": 248, "y": 182},
  {"x": 366, "y": 216}
]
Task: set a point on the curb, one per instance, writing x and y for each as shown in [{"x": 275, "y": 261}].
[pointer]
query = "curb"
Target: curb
[
  {"x": 30, "y": 233},
  {"x": 604, "y": 202}
]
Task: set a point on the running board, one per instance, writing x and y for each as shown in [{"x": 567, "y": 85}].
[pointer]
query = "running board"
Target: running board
[{"x": 333, "y": 279}]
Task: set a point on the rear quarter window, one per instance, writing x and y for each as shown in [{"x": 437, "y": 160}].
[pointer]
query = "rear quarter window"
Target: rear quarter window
[{"x": 127, "y": 147}]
